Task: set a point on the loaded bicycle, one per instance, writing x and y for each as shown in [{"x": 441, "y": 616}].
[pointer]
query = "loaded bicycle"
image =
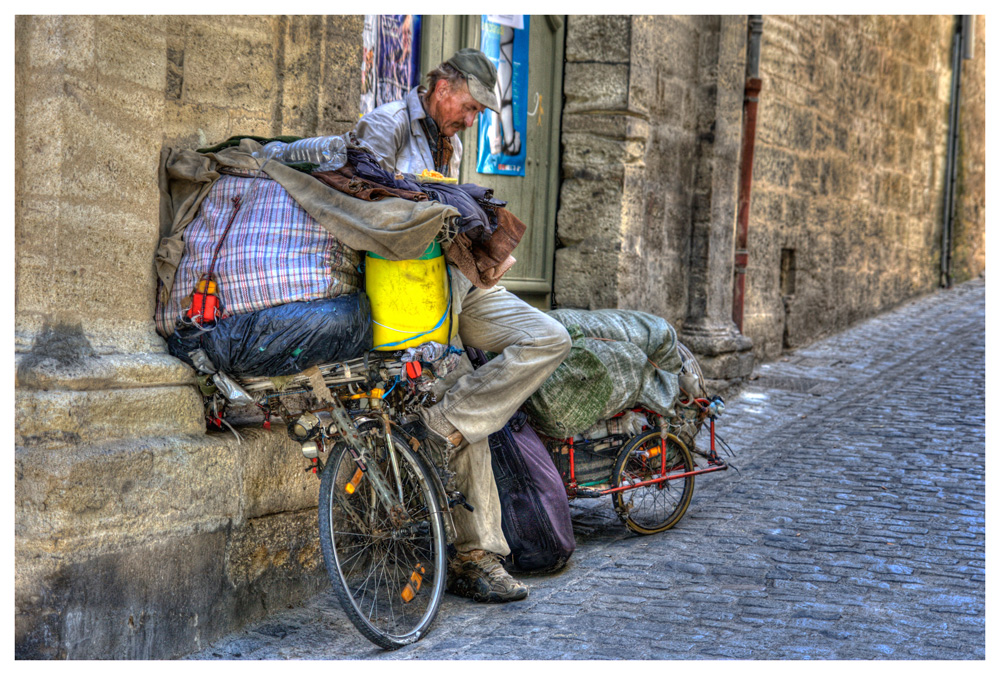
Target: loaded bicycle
[{"x": 384, "y": 512}]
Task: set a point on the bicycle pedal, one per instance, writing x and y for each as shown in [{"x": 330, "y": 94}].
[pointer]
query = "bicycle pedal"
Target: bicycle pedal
[{"x": 459, "y": 498}]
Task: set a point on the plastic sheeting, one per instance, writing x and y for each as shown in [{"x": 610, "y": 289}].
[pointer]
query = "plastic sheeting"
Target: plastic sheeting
[
  {"x": 282, "y": 340},
  {"x": 619, "y": 359}
]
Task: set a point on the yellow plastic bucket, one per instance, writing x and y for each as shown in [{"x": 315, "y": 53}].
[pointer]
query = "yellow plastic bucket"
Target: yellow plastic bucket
[{"x": 409, "y": 300}]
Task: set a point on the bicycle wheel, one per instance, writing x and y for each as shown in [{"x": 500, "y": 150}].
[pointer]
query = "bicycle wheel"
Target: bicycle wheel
[
  {"x": 652, "y": 508},
  {"x": 387, "y": 569}
]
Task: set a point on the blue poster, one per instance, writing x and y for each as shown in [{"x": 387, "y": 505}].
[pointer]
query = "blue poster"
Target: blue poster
[{"x": 505, "y": 41}]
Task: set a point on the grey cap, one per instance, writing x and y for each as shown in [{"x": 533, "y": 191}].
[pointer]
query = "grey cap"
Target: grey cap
[{"x": 480, "y": 74}]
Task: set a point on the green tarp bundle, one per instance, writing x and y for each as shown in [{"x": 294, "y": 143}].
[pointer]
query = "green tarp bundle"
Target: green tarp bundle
[{"x": 619, "y": 359}]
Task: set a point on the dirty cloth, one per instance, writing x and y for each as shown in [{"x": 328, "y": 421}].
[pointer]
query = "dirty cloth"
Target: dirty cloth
[
  {"x": 347, "y": 181},
  {"x": 396, "y": 229},
  {"x": 475, "y": 202},
  {"x": 619, "y": 359},
  {"x": 273, "y": 253},
  {"x": 396, "y": 134},
  {"x": 482, "y": 262}
]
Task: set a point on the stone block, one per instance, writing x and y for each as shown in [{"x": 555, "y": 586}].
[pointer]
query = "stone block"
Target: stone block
[
  {"x": 588, "y": 277},
  {"x": 113, "y": 494},
  {"x": 780, "y": 33},
  {"x": 274, "y": 476},
  {"x": 64, "y": 360},
  {"x": 729, "y": 366},
  {"x": 588, "y": 210},
  {"x": 131, "y": 49},
  {"x": 33, "y": 217},
  {"x": 99, "y": 607},
  {"x": 300, "y": 67},
  {"x": 192, "y": 126},
  {"x": 245, "y": 78},
  {"x": 66, "y": 418},
  {"x": 150, "y": 548},
  {"x": 654, "y": 281},
  {"x": 40, "y": 140},
  {"x": 109, "y": 149},
  {"x": 286, "y": 544},
  {"x": 166, "y": 598},
  {"x": 773, "y": 166},
  {"x": 59, "y": 41},
  {"x": 595, "y": 87},
  {"x": 600, "y": 38},
  {"x": 340, "y": 91},
  {"x": 597, "y": 157}
]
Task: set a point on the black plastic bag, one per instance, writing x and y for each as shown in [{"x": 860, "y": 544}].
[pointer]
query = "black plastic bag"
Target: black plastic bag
[{"x": 282, "y": 340}]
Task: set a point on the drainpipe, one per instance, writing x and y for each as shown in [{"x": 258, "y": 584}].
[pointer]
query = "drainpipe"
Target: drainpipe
[
  {"x": 962, "y": 48},
  {"x": 750, "y": 97}
]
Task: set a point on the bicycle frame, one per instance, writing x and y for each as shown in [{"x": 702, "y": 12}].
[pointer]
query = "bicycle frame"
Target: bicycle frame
[{"x": 334, "y": 378}]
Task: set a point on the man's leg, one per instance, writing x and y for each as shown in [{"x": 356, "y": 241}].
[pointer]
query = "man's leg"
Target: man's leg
[
  {"x": 478, "y": 529},
  {"x": 530, "y": 345}
]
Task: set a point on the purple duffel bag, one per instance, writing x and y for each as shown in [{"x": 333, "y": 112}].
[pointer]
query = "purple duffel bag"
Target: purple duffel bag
[{"x": 534, "y": 508}]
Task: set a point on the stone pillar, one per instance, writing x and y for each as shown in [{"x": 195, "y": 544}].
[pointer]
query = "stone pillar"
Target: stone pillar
[
  {"x": 604, "y": 140},
  {"x": 651, "y": 140},
  {"x": 709, "y": 330}
]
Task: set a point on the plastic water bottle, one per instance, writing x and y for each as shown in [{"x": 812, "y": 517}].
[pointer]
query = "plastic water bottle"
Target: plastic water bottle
[
  {"x": 329, "y": 152},
  {"x": 272, "y": 150}
]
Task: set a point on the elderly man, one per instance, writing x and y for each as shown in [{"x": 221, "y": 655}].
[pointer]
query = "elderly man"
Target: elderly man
[{"x": 409, "y": 136}]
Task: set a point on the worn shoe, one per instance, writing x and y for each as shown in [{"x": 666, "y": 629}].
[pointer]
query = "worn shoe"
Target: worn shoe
[{"x": 479, "y": 575}]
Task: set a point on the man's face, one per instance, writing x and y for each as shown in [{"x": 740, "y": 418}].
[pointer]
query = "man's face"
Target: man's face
[{"x": 452, "y": 107}]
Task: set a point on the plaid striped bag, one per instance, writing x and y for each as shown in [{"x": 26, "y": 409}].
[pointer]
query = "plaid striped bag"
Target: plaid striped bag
[{"x": 274, "y": 253}]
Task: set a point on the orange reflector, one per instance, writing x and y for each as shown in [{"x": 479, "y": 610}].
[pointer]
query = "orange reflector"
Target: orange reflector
[
  {"x": 413, "y": 585},
  {"x": 353, "y": 485}
]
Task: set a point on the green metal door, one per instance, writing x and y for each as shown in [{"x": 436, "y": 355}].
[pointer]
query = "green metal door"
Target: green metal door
[{"x": 531, "y": 197}]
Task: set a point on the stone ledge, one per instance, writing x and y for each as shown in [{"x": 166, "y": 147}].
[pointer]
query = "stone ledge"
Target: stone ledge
[
  {"x": 69, "y": 418},
  {"x": 115, "y": 371}
]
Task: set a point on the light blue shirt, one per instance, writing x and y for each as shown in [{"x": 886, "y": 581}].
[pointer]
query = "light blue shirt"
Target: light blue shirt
[{"x": 395, "y": 133}]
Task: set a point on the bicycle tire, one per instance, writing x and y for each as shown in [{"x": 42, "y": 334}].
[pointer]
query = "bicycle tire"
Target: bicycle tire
[
  {"x": 652, "y": 508},
  {"x": 371, "y": 564}
]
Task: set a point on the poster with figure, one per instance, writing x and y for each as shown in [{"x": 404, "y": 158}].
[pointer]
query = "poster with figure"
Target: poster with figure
[
  {"x": 502, "y": 137},
  {"x": 389, "y": 62}
]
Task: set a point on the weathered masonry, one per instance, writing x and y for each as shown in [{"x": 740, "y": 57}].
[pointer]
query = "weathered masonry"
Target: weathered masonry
[{"x": 139, "y": 535}]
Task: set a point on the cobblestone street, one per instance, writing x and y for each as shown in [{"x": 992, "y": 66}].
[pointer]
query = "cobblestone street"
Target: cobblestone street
[{"x": 854, "y": 528}]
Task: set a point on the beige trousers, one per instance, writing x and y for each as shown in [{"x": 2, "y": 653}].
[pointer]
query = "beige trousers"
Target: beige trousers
[{"x": 529, "y": 345}]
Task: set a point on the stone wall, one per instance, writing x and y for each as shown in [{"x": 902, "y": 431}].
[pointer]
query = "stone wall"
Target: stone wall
[
  {"x": 138, "y": 535},
  {"x": 847, "y": 208},
  {"x": 969, "y": 252},
  {"x": 847, "y": 200}
]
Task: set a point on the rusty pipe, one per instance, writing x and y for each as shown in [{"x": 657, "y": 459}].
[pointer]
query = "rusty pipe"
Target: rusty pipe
[{"x": 751, "y": 96}]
